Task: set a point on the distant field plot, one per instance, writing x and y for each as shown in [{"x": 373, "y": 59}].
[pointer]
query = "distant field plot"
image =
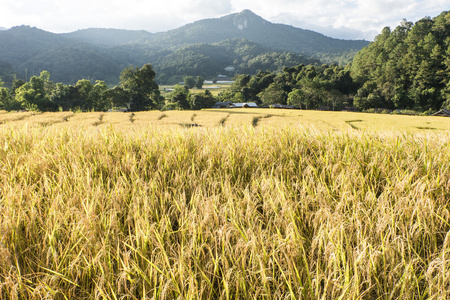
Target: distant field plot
[{"x": 215, "y": 89}]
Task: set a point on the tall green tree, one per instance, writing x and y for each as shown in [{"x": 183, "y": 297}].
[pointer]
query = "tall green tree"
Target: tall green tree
[
  {"x": 16, "y": 84},
  {"x": 180, "y": 96},
  {"x": 189, "y": 81},
  {"x": 5, "y": 97},
  {"x": 100, "y": 101},
  {"x": 274, "y": 94},
  {"x": 34, "y": 95},
  {"x": 141, "y": 87},
  {"x": 295, "y": 97},
  {"x": 67, "y": 97},
  {"x": 118, "y": 97},
  {"x": 203, "y": 100},
  {"x": 199, "y": 82},
  {"x": 85, "y": 88}
]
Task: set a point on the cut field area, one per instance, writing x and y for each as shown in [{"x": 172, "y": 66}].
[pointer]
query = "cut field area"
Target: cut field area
[{"x": 335, "y": 121}]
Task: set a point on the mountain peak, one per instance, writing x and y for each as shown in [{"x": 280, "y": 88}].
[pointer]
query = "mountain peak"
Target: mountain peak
[
  {"x": 247, "y": 25},
  {"x": 247, "y": 13},
  {"x": 35, "y": 33},
  {"x": 246, "y": 18}
]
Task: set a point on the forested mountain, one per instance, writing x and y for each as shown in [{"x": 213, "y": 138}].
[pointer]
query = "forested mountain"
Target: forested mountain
[
  {"x": 247, "y": 25},
  {"x": 70, "y": 64},
  {"x": 30, "y": 50},
  {"x": 243, "y": 25},
  {"x": 108, "y": 37},
  {"x": 243, "y": 41},
  {"x": 408, "y": 67},
  {"x": 21, "y": 43},
  {"x": 69, "y": 60},
  {"x": 208, "y": 60}
]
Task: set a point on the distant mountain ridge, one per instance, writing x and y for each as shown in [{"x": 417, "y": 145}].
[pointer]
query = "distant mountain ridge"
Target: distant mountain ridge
[
  {"x": 30, "y": 50},
  {"x": 108, "y": 37},
  {"x": 21, "y": 43},
  {"x": 252, "y": 27},
  {"x": 242, "y": 40},
  {"x": 243, "y": 25}
]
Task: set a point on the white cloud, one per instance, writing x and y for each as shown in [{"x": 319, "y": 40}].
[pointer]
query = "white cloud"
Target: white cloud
[
  {"x": 337, "y": 18},
  {"x": 345, "y": 18}
]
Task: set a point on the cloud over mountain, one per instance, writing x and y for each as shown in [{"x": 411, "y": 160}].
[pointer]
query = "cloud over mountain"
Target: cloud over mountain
[{"x": 340, "y": 19}]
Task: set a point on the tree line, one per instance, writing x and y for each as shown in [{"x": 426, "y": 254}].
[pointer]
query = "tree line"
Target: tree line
[
  {"x": 305, "y": 86},
  {"x": 407, "y": 68},
  {"x": 137, "y": 91}
]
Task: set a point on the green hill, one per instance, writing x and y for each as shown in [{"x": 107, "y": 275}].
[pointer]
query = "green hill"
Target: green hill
[
  {"x": 108, "y": 37},
  {"x": 252, "y": 27},
  {"x": 243, "y": 41},
  {"x": 31, "y": 50},
  {"x": 21, "y": 43}
]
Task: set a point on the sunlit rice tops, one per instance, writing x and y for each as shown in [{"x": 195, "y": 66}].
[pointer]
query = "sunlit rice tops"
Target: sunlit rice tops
[{"x": 273, "y": 211}]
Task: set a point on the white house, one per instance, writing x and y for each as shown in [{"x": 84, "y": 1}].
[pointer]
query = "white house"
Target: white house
[{"x": 245, "y": 105}]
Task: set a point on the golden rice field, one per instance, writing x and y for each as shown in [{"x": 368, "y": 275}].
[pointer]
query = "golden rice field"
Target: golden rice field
[
  {"x": 227, "y": 204},
  {"x": 322, "y": 121}
]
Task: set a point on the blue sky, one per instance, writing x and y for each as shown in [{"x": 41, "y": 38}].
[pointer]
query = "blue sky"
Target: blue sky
[{"x": 347, "y": 19}]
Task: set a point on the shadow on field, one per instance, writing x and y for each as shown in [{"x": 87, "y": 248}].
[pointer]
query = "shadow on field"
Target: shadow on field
[
  {"x": 189, "y": 125},
  {"x": 62, "y": 120},
  {"x": 256, "y": 120},
  {"x": 427, "y": 128},
  {"x": 223, "y": 120},
  {"x": 162, "y": 116},
  {"x": 350, "y": 122},
  {"x": 100, "y": 120},
  {"x": 21, "y": 118}
]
